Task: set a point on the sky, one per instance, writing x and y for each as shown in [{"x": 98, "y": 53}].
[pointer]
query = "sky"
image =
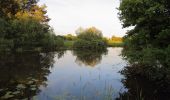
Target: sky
[{"x": 68, "y": 15}]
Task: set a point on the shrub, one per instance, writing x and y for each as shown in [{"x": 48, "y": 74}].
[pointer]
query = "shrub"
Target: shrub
[
  {"x": 51, "y": 42},
  {"x": 23, "y": 35},
  {"x": 92, "y": 45},
  {"x": 90, "y": 38}
]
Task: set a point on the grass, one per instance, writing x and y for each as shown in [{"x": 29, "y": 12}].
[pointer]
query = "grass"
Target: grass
[
  {"x": 115, "y": 44},
  {"x": 68, "y": 44},
  {"x": 112, "y": 43}
]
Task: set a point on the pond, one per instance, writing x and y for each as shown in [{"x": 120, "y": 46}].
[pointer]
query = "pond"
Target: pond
[
  {"x": 62, "y": 75},
  {"x": 70, "y": 75}
]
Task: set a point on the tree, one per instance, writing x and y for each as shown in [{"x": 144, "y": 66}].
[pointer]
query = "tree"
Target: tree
[
  {"x": 116, "y": 39},
  {"x": 8, "y": 8},
  {"x": 148, "y": 44},
  {"x": 90, "y": 38},
  {"x": 70, "y": 37},
  {"x": 24, "y": 25},
  {"x": 90, "y": 34}
]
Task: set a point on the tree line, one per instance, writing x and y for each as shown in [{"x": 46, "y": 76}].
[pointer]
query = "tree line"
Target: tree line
[{"x": 24, "y": 27}]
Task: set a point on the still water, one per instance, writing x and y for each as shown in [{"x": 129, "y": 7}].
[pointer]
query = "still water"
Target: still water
[
  {"x": 74, "y": 75},
  {"x": 85, "y": 76},
  {"x": 62, "y": 75}
]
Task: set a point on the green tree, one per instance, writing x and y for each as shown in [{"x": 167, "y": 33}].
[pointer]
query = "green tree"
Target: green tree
[
  {"x": 90, "y": 34},
  {"x": 148, "y": 44},
  {"x": 24, "y": 25},
  {"x": 90, "y": 38},
  {"x": 70, "y": 37}
]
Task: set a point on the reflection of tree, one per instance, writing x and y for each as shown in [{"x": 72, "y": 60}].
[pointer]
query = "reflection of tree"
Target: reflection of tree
[
  {"x": 60, "y": 53},
  {"x": 22, "y": 74},
  {"x": 139, "y": 88},
  {"x": 88, "y": 58}
]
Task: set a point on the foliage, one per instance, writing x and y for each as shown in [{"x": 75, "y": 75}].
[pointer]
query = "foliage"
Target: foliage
[
  {"x": 68, "y": 44},
  {"x": 90, "y": 38},
  {"x": 115, "y": 42},
  {"x": 70, "y": 37},
  {"x": 90, "y": 34},
  {"x": 116, "y": 39},
  {"x": 148, "y": 44},
  {"x": 23, "y": 26},
  {"x": 52, "y": 42}
]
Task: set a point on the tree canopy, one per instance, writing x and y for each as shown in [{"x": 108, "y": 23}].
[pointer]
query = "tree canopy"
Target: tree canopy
[
  {"x": 90, "y": 38},
  {"x": 90, "y": 34},
  {"x": 148, "y": 44},
  {"x": 24, "y": 25}
]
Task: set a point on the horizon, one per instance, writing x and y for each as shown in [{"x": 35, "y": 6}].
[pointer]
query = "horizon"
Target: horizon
[{"x": 68, "y": 15}]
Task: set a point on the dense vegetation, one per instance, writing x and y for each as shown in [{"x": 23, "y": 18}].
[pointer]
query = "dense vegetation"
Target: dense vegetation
[
  {"x": 147, "y": 46},
  {"x": 90, "y": 39},
  {"x": 24, "y": 26},
  {"x": 70, "y": 39}
]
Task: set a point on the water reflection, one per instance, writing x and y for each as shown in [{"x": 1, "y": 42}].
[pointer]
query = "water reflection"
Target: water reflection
[
  {"x": 58, "y": 75},
  {"x": 60, "y": 53},
  {"x": 22, "y": 74},
  {"x": 139, "y": 88},
  {"x": 89, "y": 58},
  {"x": 69, "y": 81}
]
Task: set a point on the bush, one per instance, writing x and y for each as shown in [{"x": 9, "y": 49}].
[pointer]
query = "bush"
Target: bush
[
  {"x": 6, "y": 45},
  {"x": 70, "y": 37},
  {"x": 25, "y": 27},
  {"x": 92, "y": 45},
  {"x": 51, "y": 42},
  {"x": 27, "y": 35},
  {"x": 90, "y": 38}
]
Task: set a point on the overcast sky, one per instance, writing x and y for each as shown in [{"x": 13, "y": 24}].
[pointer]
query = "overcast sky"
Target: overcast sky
[{"x": 68, "y": 15}]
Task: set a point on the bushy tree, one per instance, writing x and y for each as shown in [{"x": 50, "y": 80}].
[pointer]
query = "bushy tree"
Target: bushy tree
[
  {"x": 147, "y": 45},
  {"x": 24, "y": 26},
  {"x": 70, "y": 37},
  {"x": 90, "y": 38},
  {"x": 90, "y": 34}
]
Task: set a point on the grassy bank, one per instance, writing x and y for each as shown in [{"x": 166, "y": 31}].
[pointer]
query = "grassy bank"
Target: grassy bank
[
  {"x": 115, "y": 44},
  {"x": 69, "y": 44}
]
